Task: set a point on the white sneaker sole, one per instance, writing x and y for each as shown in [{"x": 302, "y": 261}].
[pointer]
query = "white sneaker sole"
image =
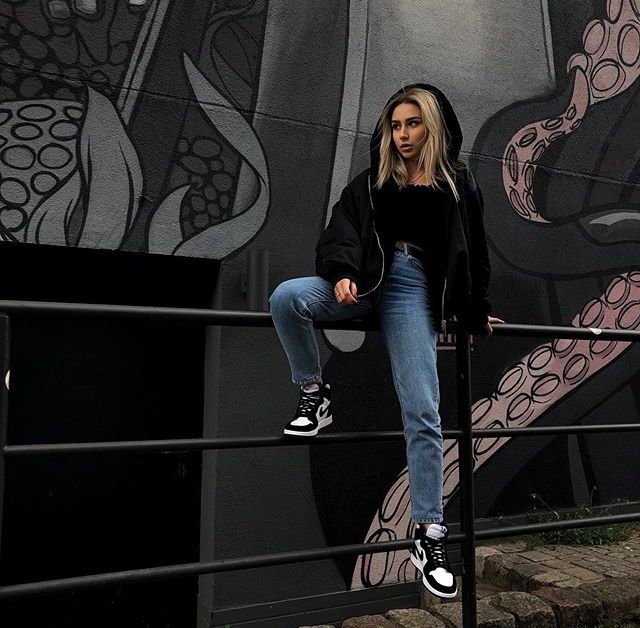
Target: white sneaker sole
[
  {"x": 420, "y": 567},
  {"x": 321, "y": 423}
]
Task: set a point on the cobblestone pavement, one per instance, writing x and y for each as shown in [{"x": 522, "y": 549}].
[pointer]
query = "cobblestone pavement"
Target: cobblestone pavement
[
  {"x": 512, "y": 566},
  {"x": 551, "y": 586}
]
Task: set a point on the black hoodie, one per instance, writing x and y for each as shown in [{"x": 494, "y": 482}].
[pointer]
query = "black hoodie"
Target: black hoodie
[{"x": 350, "y": 246}]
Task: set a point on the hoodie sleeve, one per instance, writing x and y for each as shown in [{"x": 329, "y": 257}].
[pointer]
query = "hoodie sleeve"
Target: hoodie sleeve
[
  {"x": 479, "y": 266},
  {"x": 339, "y": 250}
]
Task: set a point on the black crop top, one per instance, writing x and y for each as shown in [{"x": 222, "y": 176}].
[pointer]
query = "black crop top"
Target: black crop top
[{"x": 415, "y": 214}]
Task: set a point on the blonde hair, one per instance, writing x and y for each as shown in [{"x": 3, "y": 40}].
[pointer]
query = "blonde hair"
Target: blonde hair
[{"x": 433, "y": 157}]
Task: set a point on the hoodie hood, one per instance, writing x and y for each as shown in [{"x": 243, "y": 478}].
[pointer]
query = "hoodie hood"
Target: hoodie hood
[{"x": 451, "y": 123}]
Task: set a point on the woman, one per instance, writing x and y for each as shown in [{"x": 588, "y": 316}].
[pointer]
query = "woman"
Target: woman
[{"x": 406, "y": 241}]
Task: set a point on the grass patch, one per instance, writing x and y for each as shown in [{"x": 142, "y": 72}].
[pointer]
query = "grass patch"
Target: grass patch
[{"x": 592, "y": 535}]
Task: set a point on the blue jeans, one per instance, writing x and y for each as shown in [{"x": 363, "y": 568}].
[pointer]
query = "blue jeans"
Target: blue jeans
[{"x": 410, "y": 335}]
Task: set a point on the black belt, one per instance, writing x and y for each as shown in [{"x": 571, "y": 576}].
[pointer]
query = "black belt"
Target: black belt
[{"x": 409, "y": 249}]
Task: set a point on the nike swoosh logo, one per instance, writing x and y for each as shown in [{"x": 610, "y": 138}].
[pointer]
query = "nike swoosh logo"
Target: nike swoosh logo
[
  {"x": 323, "y": 410},
  {"x": 419, "y": 552}
]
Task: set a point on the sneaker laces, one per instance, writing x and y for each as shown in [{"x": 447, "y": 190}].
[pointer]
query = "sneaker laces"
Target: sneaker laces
[
  {"x": 307, "y": 402},
  {"x": 437, "y": 551}
]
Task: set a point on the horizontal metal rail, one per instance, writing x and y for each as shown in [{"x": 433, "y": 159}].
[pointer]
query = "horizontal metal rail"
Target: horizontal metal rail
[
  {"x": 263, "y": 319},
  {"x": 558, "y": 524},
  {"x": 181, "y": 445},
  {"x": 191, "y": 316},
  {"x": 196, "y": 569},
  {"x": 48, "y": 587},
  {"x": 554, "y": 430},
  {"x": 136, "y": 312},
  {"x": 557, "y": 331},
  {"x": 195, "y": 444}
]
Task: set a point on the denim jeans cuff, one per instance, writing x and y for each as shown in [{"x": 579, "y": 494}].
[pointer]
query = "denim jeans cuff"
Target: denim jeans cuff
[
  {"x": 308, "y": 380},
  {"x": 427, "y": 519}
]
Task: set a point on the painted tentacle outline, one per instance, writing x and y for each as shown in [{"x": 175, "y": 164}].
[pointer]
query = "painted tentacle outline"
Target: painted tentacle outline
[
  {"x": 609, "y": 65},
  {"x": 551, "y": 371},
  {"x": 527, "y": 390}
]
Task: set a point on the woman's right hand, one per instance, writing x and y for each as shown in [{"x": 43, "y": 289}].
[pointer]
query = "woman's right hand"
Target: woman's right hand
[
  {"x": 346, "y": 291},
  {"x": 492, "y": 321}
]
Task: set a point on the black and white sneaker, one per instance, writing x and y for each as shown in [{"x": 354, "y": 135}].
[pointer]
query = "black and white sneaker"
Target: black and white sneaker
[
  {"x": 314, "y": 412},
  {"x": 429, "y": 555}
]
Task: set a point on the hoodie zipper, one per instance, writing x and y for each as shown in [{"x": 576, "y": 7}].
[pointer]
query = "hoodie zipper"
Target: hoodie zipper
[
  {"x": 373, "y": 222},
  {"x": 443, "y": 322}
]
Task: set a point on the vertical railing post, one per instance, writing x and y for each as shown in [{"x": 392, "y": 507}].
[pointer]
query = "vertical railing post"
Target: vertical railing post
[
  {"x": 4, "y": 400},
  {"x": 465, "y": 456}
]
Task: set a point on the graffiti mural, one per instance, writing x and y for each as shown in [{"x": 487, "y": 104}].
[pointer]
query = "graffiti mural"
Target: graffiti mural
[
  {"x": 71, "y": 172},
  {"x": 609, "y": 65},
  {"x": 199, "y": 129}
]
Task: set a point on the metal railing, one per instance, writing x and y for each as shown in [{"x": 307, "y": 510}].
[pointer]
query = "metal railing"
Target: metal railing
[{"x": 464, "y": 434}]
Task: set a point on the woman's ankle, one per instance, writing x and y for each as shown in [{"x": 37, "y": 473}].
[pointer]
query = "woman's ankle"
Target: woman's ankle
[{"x": 313, "y": 384}]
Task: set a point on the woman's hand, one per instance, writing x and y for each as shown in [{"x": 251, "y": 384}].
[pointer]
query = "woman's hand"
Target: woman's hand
[
  {"x": 492, "y": 321},
  {"x": 346, "y": 292}
]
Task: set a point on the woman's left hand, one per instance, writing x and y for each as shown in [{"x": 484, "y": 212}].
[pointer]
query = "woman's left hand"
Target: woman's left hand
[{"x": 492, "y": 321}]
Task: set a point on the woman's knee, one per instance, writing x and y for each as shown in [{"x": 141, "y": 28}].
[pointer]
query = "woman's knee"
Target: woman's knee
[
  {"x": 423, "y": 422},
  {"x": 287, "y": 295}
]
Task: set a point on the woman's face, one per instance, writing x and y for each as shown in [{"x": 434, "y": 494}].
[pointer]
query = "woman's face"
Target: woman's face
[{"x": 409, "y": 131}]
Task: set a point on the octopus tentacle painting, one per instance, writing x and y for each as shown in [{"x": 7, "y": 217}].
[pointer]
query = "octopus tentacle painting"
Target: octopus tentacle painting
[
  {"x": 66, "y": 158},
  {"x": 168, "y": 128},
  {"x": 608, "y": 66}
]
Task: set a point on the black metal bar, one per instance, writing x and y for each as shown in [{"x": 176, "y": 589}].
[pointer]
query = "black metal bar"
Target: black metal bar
[
  {"x": 465, "y": 456},
  {"x": 195, "y": 569},
  {"x": 557, "y": 429},
  {"x": 5, "y": 347},
  {"x": 192, "y": 316},
  {"x": 198, "y": 444},
  {"x": 263, "y": 319},
  {"x": 465, "y": 434},
  {"x": 202, "y": 444},
  {"x": 133, "y": 312},
  {"x": 258, "y": 280},
  {"x": 556, "y": 331},
  {"x": 549, "y": 526},
  {"x": 267, "y": 560}
]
